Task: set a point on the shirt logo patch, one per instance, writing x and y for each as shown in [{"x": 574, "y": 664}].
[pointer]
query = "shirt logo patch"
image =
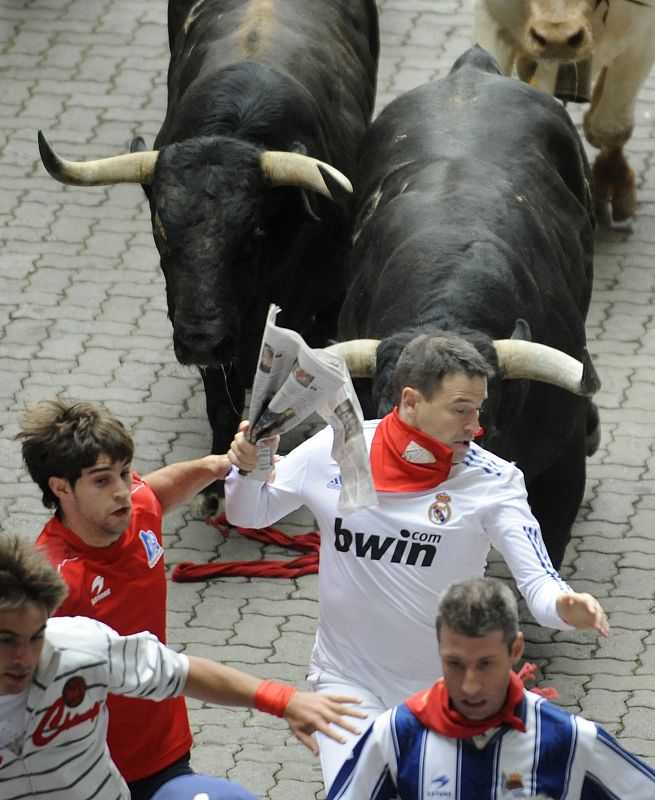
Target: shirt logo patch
[
  {"x": 153, "y": 549},
  {"x": 74, "y": 691},
  {"x": 513, "y": 785},
  {"x": 437, "y": 787},
  {"x": 335, "y": 483},
  {"x": 58, "y": 718},
  {"x": 98, "y": 591},
  {"x": 440, "y": 511},
  {"x": 413, "y": 548}
]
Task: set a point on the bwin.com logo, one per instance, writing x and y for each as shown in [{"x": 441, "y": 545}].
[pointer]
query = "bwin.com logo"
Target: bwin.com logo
[{"x": 437, "y": 787}]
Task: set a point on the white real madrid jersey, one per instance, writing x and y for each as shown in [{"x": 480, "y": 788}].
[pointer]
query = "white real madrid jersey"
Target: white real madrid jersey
[{"x": 383, "y": 568}]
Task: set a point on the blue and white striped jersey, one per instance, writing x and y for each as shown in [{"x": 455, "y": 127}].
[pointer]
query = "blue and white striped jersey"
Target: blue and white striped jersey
[{"x": 560, "y": 756}]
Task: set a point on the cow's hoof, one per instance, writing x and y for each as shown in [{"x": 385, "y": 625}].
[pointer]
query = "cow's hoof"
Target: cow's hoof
[
  {"x": 207, "y": 504},
  {"x": 623, "y": 206},
  {"x": 614, "y": 184}
]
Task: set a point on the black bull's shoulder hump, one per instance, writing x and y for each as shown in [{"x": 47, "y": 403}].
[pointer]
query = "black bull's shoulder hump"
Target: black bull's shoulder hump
[{"x": 473, "y": 195}]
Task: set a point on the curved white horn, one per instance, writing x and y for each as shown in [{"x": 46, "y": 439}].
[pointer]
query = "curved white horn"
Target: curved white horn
[
  {"x": 519, "y": 359},
  {"x": 359, "y": 355},
  {"x": 294, "y": 169},
  {"x": 127, "y": 168}
]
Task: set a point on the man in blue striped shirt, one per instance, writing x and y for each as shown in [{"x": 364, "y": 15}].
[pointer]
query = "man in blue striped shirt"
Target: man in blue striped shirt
[{"x": 477, "y": 734}]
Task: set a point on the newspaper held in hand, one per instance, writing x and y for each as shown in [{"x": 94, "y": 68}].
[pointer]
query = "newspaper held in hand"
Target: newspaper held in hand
[{"x": 291, "y": 382}]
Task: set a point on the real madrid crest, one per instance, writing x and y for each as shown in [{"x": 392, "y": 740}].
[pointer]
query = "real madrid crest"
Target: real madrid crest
[{"x": 440, "y": 512}]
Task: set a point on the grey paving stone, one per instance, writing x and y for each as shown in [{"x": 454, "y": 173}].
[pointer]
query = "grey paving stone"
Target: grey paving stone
[
  {"x": 79, "y": 277},
  {"x": 605, "y": 707}
]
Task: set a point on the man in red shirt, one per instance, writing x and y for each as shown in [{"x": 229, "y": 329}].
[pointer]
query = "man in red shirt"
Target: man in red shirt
[{"x": 105, "y": 539}]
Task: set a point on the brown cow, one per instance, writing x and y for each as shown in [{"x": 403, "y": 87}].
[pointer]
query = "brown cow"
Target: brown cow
[{"x": 618, "y": 35}]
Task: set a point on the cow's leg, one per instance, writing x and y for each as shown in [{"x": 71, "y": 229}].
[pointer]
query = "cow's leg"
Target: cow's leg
[
  {"x": 555, "y": 497},
  {"x": 487, "y": 33},
  {"x": 225, "y": 397},
  {"x": 608, "y": 125}
]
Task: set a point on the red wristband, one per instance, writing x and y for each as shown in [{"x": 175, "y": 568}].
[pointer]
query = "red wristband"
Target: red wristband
[{"x": 272, "y": 697}]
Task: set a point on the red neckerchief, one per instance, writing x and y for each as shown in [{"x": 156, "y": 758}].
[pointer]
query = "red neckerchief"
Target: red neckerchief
[
  {"x": 432, "y": 709},
  {"x": 394, "y": 473}
]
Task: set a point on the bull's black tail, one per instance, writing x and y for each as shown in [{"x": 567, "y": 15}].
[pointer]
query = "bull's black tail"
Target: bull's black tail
[{"x": 593, "y": 429}]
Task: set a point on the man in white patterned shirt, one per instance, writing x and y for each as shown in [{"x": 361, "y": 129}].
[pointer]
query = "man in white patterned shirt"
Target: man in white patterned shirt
[{"x": 55, "y": 675}]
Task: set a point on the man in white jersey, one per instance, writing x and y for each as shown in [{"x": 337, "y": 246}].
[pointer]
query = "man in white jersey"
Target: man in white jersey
[
  {"x": 443, "y": 502},
  {"x": 55, "y": 675},
  {"x": 477, "y": 734}
]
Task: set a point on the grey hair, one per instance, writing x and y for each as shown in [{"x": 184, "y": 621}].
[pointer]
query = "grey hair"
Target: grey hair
[{"x": 477, "y": 607}]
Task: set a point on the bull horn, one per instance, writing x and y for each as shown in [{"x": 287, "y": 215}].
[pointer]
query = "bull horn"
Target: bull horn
[
  {"x": 127, "y": 168},
  {"x": 294, "y": 169},
  {"x": 519, "y": 359},
  {"x": 359, "y": 355}
]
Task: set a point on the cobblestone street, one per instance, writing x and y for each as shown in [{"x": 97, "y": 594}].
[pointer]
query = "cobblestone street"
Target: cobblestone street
[{"x": 83, "y": 315}]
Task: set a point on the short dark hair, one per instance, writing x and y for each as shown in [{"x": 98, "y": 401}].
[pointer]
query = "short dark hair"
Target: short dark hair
[
  {"x": 27, "y": 577},
  {"x": 61, "y": 439},
  {"x": 428, "y": 358},
  {"x": 477, "y": 607}
]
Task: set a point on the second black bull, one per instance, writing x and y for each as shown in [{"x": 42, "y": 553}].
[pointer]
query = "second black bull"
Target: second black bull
[
  {"x": 267, "y": 104},
  {"x": 474, "y": 214}
]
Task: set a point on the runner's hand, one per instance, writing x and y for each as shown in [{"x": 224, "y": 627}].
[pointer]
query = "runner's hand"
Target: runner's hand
[
  {"x": 583, "y": 611},
  {"x": 307, "y": 712}
]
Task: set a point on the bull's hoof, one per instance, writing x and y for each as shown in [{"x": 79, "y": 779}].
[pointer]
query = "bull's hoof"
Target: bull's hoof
[
  {"x": 207, "y": 504},
  {"x": 614, "y": 186}
]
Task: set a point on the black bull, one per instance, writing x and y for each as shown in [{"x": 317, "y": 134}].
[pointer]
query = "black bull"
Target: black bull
[
  {"x": 235, "y": 228},
  {"x": 474, "y": 214}
]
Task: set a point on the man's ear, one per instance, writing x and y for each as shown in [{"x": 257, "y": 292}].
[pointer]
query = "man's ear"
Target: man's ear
[
  {"x": 59, "y": 486},
  {"x": 517, "y": 649},
  {"x": 409, "y": 399}
]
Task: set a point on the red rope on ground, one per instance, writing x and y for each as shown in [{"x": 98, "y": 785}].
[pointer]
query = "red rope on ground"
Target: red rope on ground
[
  {"x": 528, "y": 673},
  {"x": 308, "y": 543}
]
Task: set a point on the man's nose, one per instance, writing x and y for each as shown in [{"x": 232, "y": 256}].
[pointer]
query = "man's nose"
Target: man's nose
[
  {"x": 121, "y": 490},
  {"x": 23, "y": 654},
  {"x": 471, "y": 682},
  {"x": 473, "y": 422}
]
